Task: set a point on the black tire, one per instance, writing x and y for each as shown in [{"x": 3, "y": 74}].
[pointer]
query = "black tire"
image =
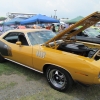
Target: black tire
[
  {"x": 1, "y": 59},
  {"x": 58, "y": 78}
]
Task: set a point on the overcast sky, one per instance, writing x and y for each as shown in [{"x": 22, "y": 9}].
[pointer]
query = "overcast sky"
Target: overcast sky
[{"x": 65, "y": 8}]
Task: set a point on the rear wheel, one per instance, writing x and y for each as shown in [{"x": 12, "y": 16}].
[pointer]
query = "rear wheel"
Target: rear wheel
[
  {"x": 1, "y": 59},
  {"x": 58, "y": 78}
]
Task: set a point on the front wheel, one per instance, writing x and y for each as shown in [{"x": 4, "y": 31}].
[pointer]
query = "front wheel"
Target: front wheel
[{"x": 58, "y": 78}]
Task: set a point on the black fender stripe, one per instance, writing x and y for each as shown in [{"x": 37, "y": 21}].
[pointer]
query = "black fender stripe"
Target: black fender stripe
[{"x": 5, "y": 50}]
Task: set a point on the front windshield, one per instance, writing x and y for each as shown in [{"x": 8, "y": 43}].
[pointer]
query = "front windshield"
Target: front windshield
[
  {"x": 40, "y": 37},
  {"x": 91, "y": 32}
]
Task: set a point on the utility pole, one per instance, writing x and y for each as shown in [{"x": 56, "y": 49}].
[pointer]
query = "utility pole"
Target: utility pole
[{"x": 55, "y": 14}]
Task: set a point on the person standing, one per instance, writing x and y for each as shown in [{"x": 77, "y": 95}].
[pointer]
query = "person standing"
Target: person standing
[{"x": 53, "y": 28}]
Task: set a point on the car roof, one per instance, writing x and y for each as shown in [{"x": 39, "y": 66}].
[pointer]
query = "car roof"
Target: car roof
[{"x": 27, "y": 30}]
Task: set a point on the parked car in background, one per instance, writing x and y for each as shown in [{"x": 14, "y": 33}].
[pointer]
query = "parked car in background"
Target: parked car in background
[
  {"x": 96, "y": 28},
  {"x": 97, "y": 24},
  {"x": 88, "y": 35}
]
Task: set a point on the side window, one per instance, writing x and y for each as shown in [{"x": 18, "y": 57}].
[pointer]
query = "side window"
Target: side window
[
  {"x": 22, "y": 39},
  {"x": 11, "y": 37}
]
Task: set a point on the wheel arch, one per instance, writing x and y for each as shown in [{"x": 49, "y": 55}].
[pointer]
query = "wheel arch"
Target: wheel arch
[{"x": 49, "y": 64}]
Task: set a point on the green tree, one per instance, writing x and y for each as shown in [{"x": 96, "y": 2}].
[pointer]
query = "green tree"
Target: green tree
[{"x": 2, "y": 18}]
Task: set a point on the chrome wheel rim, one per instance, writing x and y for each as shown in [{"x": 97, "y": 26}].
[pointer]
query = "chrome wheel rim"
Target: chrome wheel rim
[{"x": 57, "y": 78}]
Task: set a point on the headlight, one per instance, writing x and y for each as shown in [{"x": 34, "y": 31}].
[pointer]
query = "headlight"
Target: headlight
[{"x": 99, "y": 75}]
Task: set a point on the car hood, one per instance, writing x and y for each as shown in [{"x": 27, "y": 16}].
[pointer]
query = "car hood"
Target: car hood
[{"x": 85, "y": 23}]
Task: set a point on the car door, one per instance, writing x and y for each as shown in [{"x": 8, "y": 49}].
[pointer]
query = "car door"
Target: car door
[{"x": 18, "y": 53}]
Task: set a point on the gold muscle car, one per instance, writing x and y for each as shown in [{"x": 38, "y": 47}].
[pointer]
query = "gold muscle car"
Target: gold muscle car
[{"x": 62, "y": 60}]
